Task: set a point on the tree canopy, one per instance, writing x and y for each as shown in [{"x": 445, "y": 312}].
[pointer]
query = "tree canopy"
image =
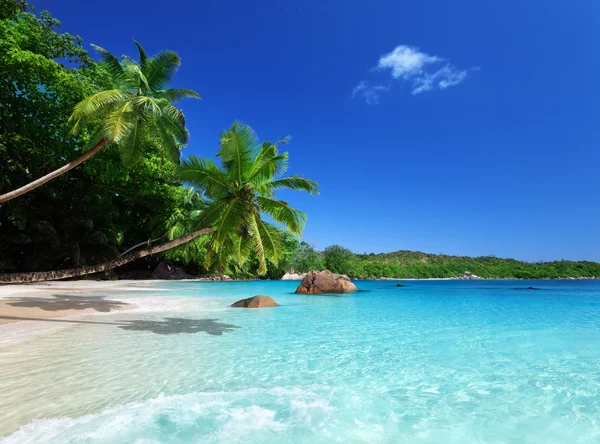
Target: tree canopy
[
  {"x": 94, "y": 211},
  {"x": 241, "y": 191}
]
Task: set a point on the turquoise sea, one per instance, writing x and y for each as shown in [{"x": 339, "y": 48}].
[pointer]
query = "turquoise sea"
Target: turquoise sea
[{"x": 430, "y": 362}]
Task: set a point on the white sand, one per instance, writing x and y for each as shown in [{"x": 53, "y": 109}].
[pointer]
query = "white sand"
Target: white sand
[{"x": 27, "y": 302}]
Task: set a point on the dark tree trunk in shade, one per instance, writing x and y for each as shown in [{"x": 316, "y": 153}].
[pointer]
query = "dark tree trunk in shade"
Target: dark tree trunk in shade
[{"x": 36, "y": 276}]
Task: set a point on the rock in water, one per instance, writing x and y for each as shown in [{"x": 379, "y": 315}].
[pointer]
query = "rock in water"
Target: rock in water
[
  {"x": 258, "y": 301},
  {"x": 316, "y": 282},
  {"x": 399, "y": 285}
]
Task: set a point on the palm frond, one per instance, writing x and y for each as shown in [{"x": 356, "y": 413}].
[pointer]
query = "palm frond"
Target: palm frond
[
  {"x": 243, "y": 249},
  {"x": 211, "y": 214},
  {"x": 220, "y": 255},
  {"x": 160, "y": 69},
  {"x": 236, "y": 149},
  {"x": 282, "y": 213},
  {"x": 268, "y": 164},
  {"x": 134, "y": 77},
  {"x": 142, "y": 52},
  {"x": 231, "y": 219},
  {"x": 296, "y": 183},
  {"x": 205, "y": 175},
  {"x": 119, "y": 123},
  {"x": 271, "y": 239},
  {"x": 93, "y": 105},
  {"x": 175, "y": 95},
  {"x": 258, "y": 246},
  {"x": 112, "y": 63},
  {"x": 148, "y": 105},
  {"x": 166, "y": 141},
  {"x": 131, "y": 144},
  {"x": 173, "y": 121}
]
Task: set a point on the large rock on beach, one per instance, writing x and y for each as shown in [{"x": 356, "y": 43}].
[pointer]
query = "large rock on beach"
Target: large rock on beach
[
  {"x": 258, "y": 301},
  {"x": 164, "y": 270},
  {"x": 216, "y": 278},
  {"x": 293, "y": 277},
  {"x": 316, "y": 282},
  {"x": 467, "y": 276}
]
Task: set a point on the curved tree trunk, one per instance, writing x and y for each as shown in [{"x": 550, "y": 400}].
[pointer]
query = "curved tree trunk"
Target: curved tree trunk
[
  {"x": 14, "y": 278},
  {"x": 48, "y": 177}
]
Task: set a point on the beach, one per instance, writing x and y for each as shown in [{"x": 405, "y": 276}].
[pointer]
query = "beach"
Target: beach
[
  {"x": 31, "y": 309},
  {"x": 171, "y": 361},
  {"x": 36, "y": 302}
]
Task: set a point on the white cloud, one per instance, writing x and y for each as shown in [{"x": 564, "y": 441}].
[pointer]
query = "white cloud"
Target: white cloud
[
  {"x": 369, "y": 92},
  {"x": 443, "y": 78},
  {"x": 423, "y": 71},
  {"x": 406, "y": 61}
]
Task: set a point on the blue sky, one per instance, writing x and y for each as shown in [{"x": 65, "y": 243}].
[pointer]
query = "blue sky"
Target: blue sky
[{"x": 463, "y": 127}]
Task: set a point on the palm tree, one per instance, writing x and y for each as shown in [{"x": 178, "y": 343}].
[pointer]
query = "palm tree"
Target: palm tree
[
  {"x": 241, "y": 191},
  {"x": 139, "y": 109}
]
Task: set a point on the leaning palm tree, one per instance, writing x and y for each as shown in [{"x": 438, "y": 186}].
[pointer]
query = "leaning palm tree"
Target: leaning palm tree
[
  {"x": 138, "y": 110},
  {"x": 239, "y": 192},
  {"x": 242, "y": 190}
]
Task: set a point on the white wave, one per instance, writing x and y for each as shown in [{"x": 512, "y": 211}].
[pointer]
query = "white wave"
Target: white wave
[{"x": 228, "y": 417}]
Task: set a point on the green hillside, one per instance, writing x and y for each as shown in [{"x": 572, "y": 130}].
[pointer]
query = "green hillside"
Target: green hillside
[{"x": 415, "y": 264}]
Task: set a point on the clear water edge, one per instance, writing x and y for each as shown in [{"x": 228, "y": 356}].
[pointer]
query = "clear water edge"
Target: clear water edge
[{"x": 434, "y": 361}]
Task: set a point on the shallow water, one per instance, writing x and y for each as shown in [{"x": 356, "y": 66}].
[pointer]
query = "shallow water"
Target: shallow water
[{"x": 430, "y": 362}]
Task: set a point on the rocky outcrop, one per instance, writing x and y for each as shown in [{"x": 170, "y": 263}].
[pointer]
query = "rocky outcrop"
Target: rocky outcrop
[
  {"x": 293, "y": 277},
  {"x": 316, "y": 282},
  {"x": 468, "y": 276},
  {"x": 258, "y": 301},
  {"x": 216, "y": 278},
  {"x": 164, "y": 270}
]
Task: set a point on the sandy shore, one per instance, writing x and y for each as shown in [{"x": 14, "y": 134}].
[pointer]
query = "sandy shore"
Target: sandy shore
[{"x": 35, "y": 302}]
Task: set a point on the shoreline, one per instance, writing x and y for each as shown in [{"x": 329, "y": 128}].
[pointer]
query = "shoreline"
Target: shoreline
[{"x": 35, "y": 302}]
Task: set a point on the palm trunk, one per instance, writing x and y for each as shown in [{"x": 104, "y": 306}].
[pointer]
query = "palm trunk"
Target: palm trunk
[
  {"x": 14, "y": 278},
  {"x": 48, "y": 177}
]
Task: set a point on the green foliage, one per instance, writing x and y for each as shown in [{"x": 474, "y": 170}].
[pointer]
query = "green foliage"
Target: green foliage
[
  {"x": 182, "y": 221},
  {"x": 95, "y": 211},
  {"x": 11, "y": 8},
  {"x": 139, "y": 108},
  {"x": 305, "y": 258},
  {"x": 411, "y": 264},
  {"x": 37, "y": 94},
  {"x": 241, "y": 191},
  {"x": 338, "y": 259}
]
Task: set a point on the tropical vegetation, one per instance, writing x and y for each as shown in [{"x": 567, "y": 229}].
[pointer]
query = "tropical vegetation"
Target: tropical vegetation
[
  {"x": 137, "y": 110},
  {"x": 240, "y": 192},
  {"x": 414, "y": 264},
  {"x": 97, "y": 216},
  {"x": 92, "y": 177}
]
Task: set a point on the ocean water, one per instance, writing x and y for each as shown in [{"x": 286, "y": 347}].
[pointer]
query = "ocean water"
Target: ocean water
[{"x": 430, "y": 362}]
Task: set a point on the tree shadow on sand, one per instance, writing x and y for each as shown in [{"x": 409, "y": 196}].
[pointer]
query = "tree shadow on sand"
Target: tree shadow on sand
[
  {"x": 171, "y": 326},
  {"x": 168, "y": 326},
  {"x": 60, "y": 302}
]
